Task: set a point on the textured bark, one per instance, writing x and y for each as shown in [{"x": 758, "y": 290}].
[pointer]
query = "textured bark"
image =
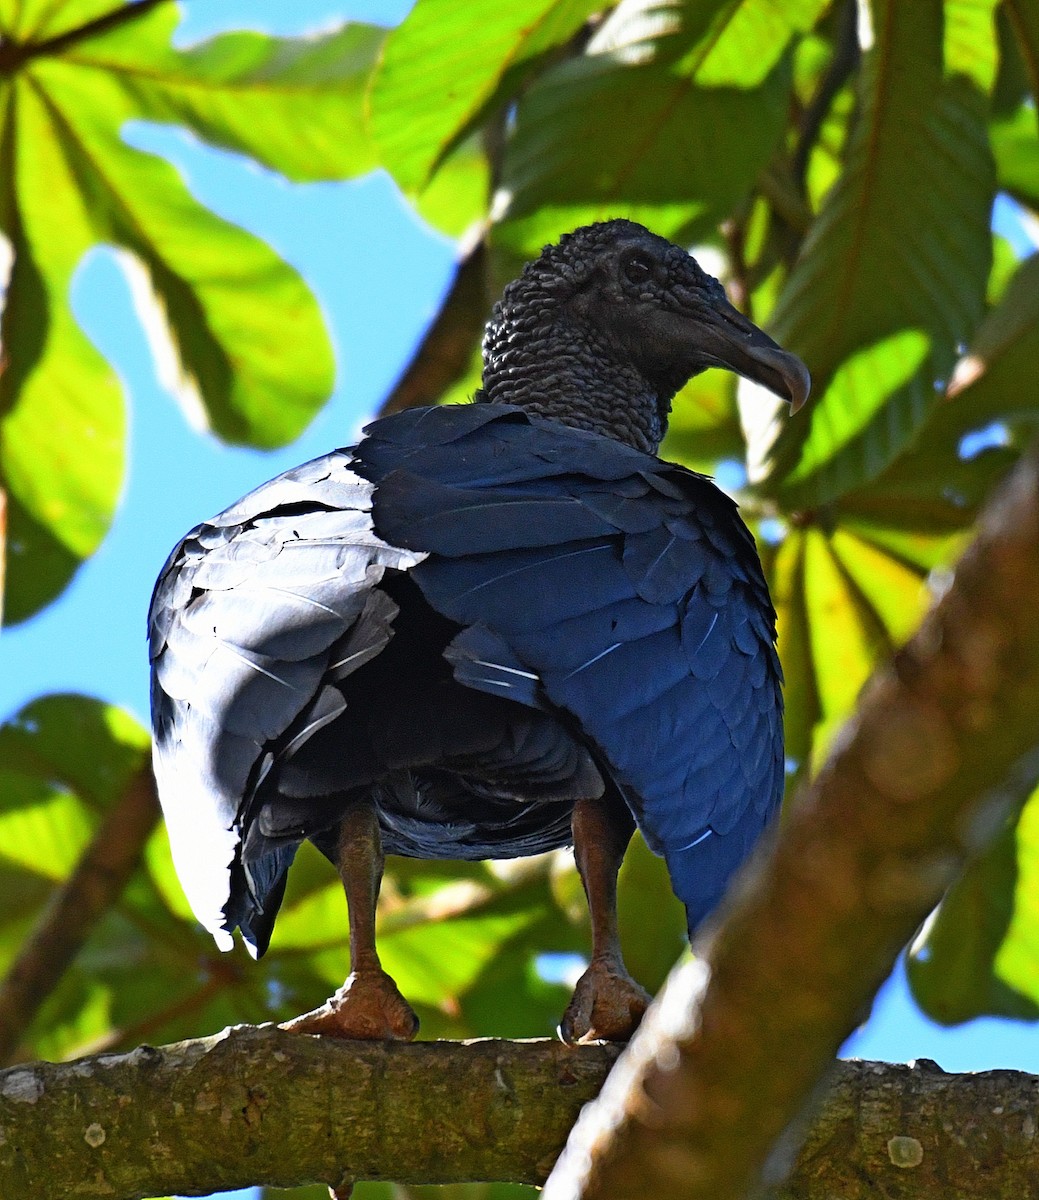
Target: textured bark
[
  {"x": 261, "y": 1105},
  {"x": 447, "y": 348},
  {"x": 945, "y": 742},
  {"x": 66, "y": 922},
  {"x": 258, "y": 1105},
  {"x": 897, "y": 1131}
]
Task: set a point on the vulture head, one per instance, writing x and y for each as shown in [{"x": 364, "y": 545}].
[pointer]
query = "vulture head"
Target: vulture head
[{"x": 604, "y": 327}]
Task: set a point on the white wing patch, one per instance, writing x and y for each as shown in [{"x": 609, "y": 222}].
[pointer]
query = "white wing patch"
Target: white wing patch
[{"x": 253, "y": 613}]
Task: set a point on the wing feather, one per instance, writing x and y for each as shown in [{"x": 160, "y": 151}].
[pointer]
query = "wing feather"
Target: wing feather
[{"x": 252, "y": 614}]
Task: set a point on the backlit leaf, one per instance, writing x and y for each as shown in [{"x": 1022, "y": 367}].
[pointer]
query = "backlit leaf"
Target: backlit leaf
[
  {"x": 39, "y": 20},
  {"x": 1023, "y": 18},
  {"x": 62, "y": 422},
  {"x": 746, "y": 38},
  {"x": 902, "y": 240},
  {"x": 415, "y": 118},
  {"x": 979, "y": 953},
  {"x": 239, "y": 335},
  {"x": 1017, "y": 155},
  {"x": 293, "y": 104},
  {"x": 624, "y": 130},
  {"x": 970, "y": 40},
  {"x": 875, "y": 402}
]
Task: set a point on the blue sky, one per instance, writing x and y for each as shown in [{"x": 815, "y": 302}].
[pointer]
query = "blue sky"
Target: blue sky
[{"x": 380, "y": 276}]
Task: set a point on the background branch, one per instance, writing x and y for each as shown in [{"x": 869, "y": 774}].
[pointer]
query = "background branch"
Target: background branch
[
  {"x": 74, "y": 909},
  {"x": 294, "y": 1110},
  {"x": 446, "y": 350},
  {"x": 945, "y": 743}
]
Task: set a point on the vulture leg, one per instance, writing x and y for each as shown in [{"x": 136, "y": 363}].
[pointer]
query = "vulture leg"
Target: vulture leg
[
  {"x": 607, "y": 1003},
  {"x": 369, "y": 1005}
]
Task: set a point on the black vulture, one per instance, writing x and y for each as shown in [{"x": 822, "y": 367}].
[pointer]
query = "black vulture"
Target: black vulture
[{"x": 486, "y": 630}]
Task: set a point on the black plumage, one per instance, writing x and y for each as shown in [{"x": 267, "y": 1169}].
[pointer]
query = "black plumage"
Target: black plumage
[{"x": 485, "y": 631}]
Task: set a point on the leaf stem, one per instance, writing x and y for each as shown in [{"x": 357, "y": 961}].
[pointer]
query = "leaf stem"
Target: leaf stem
[{"x": 15, "y": 54}]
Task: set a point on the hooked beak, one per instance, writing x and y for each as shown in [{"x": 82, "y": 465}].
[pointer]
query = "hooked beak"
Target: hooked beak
[{"x": 730, "y": 340}]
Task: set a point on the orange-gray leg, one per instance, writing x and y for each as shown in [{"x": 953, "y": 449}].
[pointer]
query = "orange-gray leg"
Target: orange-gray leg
[
  {"x": 607, "y": 1004},
  {"x": 369, "y": 1005}
]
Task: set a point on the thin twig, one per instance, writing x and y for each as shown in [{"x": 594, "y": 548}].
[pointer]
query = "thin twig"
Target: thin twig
[{"x": 845, "y": 60}]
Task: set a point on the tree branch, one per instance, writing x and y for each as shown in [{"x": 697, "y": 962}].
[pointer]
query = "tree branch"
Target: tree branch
[
  {"x": 258, "y": 1105},
  {"x": 448, "y": 345},
  {"x": 63, "y": 926},
  {"x": 845, "y": 59},
  {"x": 944, "y": 744}
]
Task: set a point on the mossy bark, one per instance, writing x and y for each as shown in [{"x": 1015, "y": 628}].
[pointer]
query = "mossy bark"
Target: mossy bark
[{"x": 258, "y": 1105}]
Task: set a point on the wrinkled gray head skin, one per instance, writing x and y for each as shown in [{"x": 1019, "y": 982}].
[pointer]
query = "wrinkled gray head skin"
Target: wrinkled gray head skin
[{"x": 605, "y": 326}]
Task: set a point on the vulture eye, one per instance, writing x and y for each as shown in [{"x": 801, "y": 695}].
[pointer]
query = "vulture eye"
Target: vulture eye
[{"x": 638, "y": 268}]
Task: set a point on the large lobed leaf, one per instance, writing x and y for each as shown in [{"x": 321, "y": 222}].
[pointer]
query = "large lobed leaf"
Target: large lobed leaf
[
  {"x": 630, "y": 128},
  {"x": 446, "y": 66},
  {"x": 899, "y": 251},
  {"x": 844, "y": 599},
  {"x": 293, "y": 104},
  {"x": 62, "y": 422},
  {"x": 240, "y": 336},
  {"x": 935, "y": 486}
]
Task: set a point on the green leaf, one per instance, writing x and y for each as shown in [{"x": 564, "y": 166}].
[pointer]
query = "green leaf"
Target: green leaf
[
  {"x": 979, "y": 952},
  {"x": 294, "y": 104},
  {"x": 605, "y": 134},
  {"x": 746, "y": 38},
  {"x": 38, "y": 20},
  {"x": 63, "y": 760},
  {"x": 785, "y": 567},
  {"x": 995, "y": 378},
  {"x": 240, "y": 336},
  {"x": 1017, "y": 961},
  {"x": 416, "y": 119},
  {"x": 705, "y": 425},
  {"x": 645, "y": 901},
  {"x": 843, "y": 646},
  {"x": 971, "y": 48},
  {"x": 843, "y": 601},
  {"x": 902, "y": 241},
  {"x": 1017, "y": 155},
  {"x": 458, "y": 194},
  {"x": 61, "y": 415},
  {"x": 875, "y": 402},
  {"x": 931, "y": 487},
  {"x": 83, "y": 744},
  {"x": 3, "y": 549},
  {"x": 259, "y": 369}
]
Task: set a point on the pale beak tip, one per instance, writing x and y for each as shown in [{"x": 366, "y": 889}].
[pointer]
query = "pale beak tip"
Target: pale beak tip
[{"x": 800, "y": 383}]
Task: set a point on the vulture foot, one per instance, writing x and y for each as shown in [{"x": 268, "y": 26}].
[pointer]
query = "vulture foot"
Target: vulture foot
[
  {"x": 368, "y": 1007},
  {"x": 607, "y": 1005}
]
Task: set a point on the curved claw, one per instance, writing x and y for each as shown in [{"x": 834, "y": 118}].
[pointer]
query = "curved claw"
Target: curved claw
[
  {"x": 368, "y": 1007},
  {"x": 607, "y": 1005}
]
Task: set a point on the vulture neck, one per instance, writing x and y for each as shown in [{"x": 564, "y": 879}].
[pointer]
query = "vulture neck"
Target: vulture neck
[{"x": 571, "y": 376}]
